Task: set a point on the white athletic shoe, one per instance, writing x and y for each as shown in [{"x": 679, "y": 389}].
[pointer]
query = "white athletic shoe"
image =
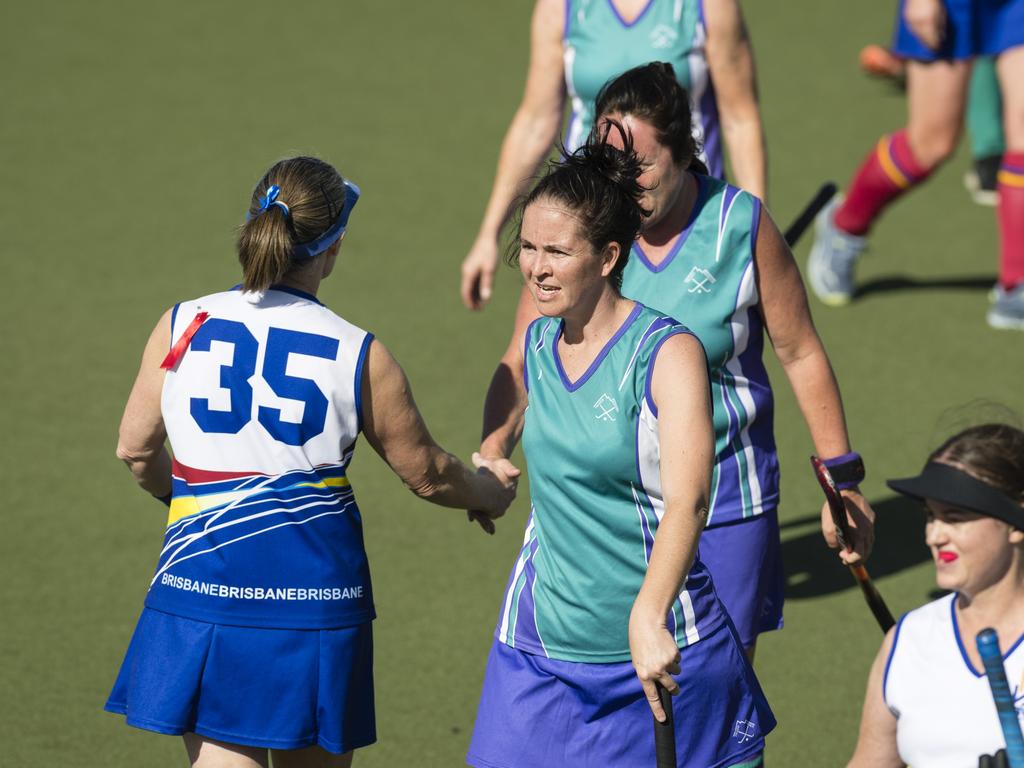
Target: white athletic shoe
[
  {"x": 1007, "y": 312},
  {"x": 981, "y": 180},
  {"x": 833, "y": 257}
]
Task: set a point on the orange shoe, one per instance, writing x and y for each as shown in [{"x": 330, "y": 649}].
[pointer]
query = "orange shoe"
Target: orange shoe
[{"x": 881, "y": 62}]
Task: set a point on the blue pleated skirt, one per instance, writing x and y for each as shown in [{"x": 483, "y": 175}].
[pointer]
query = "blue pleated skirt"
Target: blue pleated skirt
[{"x": 272, "y": 688}]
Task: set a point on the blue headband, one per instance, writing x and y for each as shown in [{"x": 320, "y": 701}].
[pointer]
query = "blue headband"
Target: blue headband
[
  {"x": 335, "y": 231},
  {"x": 328, "y": 238}
]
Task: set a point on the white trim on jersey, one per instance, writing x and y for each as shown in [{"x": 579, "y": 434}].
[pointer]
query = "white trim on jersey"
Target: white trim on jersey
[
  {"x": 700, "y": 79},
  {"x": 648, "y": 450},
  {"x": 506, "y": 611},
  {"x": 723, "y": 221},
  {"x": 639, "y": 344},
  {"x": 746, "y": 297},
  {"x": 574, "y": 133}
]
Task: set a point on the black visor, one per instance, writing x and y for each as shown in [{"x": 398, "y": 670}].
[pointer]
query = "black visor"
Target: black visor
[{"x": 942, "y": 482}]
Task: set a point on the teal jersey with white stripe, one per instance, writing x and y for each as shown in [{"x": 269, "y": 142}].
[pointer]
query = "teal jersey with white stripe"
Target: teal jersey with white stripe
[
  {"x": 599, "y": 45},
  {"x": 593, "y": 459},
  {"x": 708, "y": 280}
]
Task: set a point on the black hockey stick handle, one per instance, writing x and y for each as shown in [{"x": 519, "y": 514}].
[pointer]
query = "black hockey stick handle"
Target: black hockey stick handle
[
  {"x": 665, "y": 733},
  {"x": 812, "y": 209},
  {"x": 874, "y": 598}
]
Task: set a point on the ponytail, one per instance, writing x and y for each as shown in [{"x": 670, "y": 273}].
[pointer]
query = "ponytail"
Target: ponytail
[
  {"x": 265, "y": 249},
  {"x": 300, "y": 202}
]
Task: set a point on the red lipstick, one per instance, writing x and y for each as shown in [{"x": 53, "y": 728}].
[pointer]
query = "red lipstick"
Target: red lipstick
[{"x": 948, "y": 557}]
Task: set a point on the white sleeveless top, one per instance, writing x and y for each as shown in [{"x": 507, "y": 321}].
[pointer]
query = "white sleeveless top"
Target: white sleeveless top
[
  {"x": 945, "y": 714},
  {"x": 262, "y": 412}
]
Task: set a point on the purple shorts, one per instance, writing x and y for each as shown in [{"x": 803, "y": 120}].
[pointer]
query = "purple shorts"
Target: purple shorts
[
  {"x": 745, "y": 561},
  {"x": 537, "y": 712},
  {"x": 973, "y": 28}
]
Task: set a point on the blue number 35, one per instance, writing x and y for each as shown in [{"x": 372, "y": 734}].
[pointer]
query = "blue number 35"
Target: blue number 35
[{"x": 235, "y": 378}]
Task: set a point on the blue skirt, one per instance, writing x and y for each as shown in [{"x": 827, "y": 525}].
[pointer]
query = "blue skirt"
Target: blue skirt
[
  {"x": 272, "y": 688},
  {"x": 745, "y": 561},
  {"x": 537, "y": 712},
  {"x": 973, "y": 28}
]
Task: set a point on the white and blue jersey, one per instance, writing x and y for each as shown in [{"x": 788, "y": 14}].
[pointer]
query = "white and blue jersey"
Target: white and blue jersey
[
  {"x": 945, "y": 715},
  {"x": 599, "y": 45},
  {"x": 262, "y": 413}
]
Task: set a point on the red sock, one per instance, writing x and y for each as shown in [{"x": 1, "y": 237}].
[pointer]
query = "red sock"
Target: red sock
[
  {"x": 1011, "y": 220},
  {"x": 886, "y": 173}
]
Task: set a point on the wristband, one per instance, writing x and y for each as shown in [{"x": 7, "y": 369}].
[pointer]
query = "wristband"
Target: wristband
[
  {"x": 847, "y": 470},
  {"x": 166, "y": 500}
]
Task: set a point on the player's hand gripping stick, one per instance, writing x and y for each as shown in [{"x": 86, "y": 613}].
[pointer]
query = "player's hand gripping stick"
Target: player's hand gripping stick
[{"x": 837, "y": 508}]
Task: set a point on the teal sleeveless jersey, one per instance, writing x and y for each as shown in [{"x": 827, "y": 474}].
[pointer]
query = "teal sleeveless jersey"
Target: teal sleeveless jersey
[
  {"x": 599, "y": 46},
  {"x": 708, "y": 280},
  {"x": 592, "y": 454}
]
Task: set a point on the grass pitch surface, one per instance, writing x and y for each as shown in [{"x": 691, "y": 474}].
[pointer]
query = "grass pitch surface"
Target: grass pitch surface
[{"x": 132, "y": 136}]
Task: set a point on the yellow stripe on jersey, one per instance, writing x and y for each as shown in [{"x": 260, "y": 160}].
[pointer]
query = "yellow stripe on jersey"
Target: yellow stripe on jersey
[
  {"x": 890, "y": 168},
  {"x": 1010, "y": 178},
  {"x": 183, "y": 506}
]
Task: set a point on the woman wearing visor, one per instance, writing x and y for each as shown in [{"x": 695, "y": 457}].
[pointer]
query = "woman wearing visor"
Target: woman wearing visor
[
  {"x": 256, "y": 632},
  {"x": 928, "y": 701}
]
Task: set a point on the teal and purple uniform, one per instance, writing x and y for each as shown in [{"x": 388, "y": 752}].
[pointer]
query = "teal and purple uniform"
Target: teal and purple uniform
[
  {"x": 708, "y": 279},
  {"x": 600, "y": 45},
  {"x": 560, "y": 663}
]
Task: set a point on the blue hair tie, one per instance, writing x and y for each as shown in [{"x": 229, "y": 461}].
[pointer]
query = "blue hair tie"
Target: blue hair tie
[{"x": 270, "y": 199}]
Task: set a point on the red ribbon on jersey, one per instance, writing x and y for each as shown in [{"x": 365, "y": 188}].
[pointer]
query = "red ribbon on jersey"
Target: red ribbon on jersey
[{"x": 182, "y": 344}]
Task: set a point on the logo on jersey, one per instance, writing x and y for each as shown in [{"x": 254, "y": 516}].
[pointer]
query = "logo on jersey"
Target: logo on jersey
[
  {"x": 744, "y": 731},
  {"x": 606, "y": 408},
  {"x": 701, "y": 280},
  {"x": 662, "y": 36}
]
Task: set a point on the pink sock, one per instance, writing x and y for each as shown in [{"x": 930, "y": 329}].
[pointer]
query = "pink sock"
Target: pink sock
[
  {"x": 886, "y": 173},
  {"x": 1011, "y": 220}
]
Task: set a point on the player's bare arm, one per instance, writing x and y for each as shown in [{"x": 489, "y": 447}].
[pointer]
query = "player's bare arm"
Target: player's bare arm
[
  {"x": 527, "y": 142},
  {"x": 505, "y": 403},
  {"x": 141, "y": 436},
  {"x": 876, "y": 743},
  {"x": 681, "y": 392},
  {"x": 787, "y": 319},
  {"x": 394, "y": 427},
  {"x": 731, "y": 63}
]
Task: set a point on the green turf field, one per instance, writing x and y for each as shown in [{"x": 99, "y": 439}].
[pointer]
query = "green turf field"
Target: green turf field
[{"x": 131, "y": 136}]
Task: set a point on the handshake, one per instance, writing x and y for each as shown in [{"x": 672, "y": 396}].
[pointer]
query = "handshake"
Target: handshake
[{"x": 498, "y": 479}]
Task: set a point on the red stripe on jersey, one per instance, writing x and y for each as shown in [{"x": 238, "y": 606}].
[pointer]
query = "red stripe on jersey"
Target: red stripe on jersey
[{"x": 192, "y": 475}]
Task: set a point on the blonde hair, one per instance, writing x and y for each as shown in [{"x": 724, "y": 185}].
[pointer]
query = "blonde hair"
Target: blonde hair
[{"x": 314, "y": 193}]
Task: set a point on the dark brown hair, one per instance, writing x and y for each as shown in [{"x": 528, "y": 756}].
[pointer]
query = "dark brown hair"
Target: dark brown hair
[
  {"x": 314, "y": 193},
  {"x": 652, "y": 93},
  {"x": 993, "y": 453},
  {"x": 599, "y": 183}
]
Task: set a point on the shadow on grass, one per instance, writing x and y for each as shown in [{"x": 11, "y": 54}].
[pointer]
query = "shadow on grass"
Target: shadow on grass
[
  {"x": 894, "y": 283},
  {"x": 814, "y": 570}
]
